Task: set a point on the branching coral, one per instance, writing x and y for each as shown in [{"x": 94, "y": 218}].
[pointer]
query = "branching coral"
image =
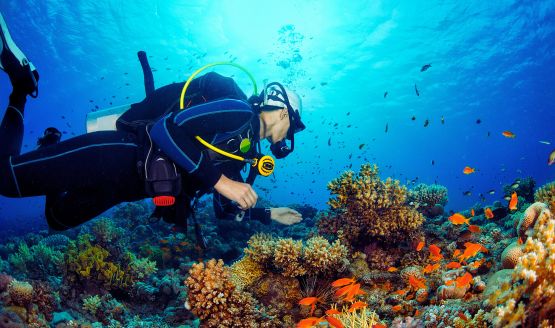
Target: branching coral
[
  {"x": 426, "y": 197},
  {"x": 363, "y": 206},
  {"x": 91, "y": 304},
  {"x": 38, "y": 261},
  {"x": 21, "y": 293},
  {"x": 292, "y": 259},
  {"x": 546, "y": 195},
  {"x": 527, "y": 299},
  {"x": 215, "y": 300},
  {"x": 245, "y": 272}
]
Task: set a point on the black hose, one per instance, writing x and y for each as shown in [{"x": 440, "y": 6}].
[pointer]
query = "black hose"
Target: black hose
[{"x": 147, "y": 73}]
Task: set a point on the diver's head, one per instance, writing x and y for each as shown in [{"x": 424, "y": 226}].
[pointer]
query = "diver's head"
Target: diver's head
[
  {"x": 51, "y": 136},
  {"x": 280, "y": 111}
]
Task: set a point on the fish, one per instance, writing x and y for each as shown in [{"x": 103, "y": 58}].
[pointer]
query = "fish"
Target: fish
[
  {"x": 453, "y": 265},
  {"x": 508, "y": 134},
  {"x": 357, "y": 305},
  {"x": 332, "y": 312},
  {"x": 478, "y": 121},
  {"x": 551, "y": 158},
  {"x": 489, "y": 133},
  {"x": 477, "y": 264},
  {"x": 472, "y": 212},
  {"x": 385, "y": 94},
  {"x": 442, "y": 120},
  {"x": 430, "y": 268},
  {"x": 163, "y": 241},
  {"x": 449, "y": 282},
  {"x": 420, "y": 246},
  {"x": 468, "y": 170},
  {"x": 343, "y": 282},
  {"x": 396, "y": 308},
  {"x": 425, "y": 67},
  {"x": 360, "y": 146},
  {"x": 513, "y": 202},
  {"x": 310, "y": 301},
  {"x": 456, "y": 253},
  {"x": 474, "y": 228},
  {"x": 515, "y": 185},
  {"x": 544, "y": 142},
  {"x": 392, "y": 269},
  {"x": 379, "y": 325},
  {"x": 471, "y": 249},
  {"x": 491, "y": 192},
  {"x": 467, "y": 193},
  {"x": 433, "y": 162},
  {"x": 417, "y": 283},
  {"x": 519, "y": 241},
  {"x": 400, "y": 292},
  {"x": 386, "y": 127},
  {"x": 463, "y": 316},
  {"x": 458, "y": 218},
  {"x": 464, "y": 280},
  {"x": 309, "y": 322},
  {"x": 488, "y": 213},
  {"x": 416, "y": 90},
  {"x": 334, "y": 322},
  {"x": 329, "y": 141},
  {"x": 426, "y": 123},
  {"x": 413, "y": 118},
  {"x": 434, "y": 249}
]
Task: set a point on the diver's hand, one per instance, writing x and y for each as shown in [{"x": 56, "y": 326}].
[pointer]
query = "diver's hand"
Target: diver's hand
[
  {"x": 239, "y": 192},
  {"x": 285, "y": 215}
]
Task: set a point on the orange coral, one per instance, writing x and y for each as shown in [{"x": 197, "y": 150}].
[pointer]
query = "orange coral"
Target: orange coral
[
  {"x": 215, "y": 300},
  {"x": 364, "y": 206}
]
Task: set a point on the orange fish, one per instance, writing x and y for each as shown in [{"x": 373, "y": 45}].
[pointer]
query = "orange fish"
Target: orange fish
[
  {"x": 183, "y": 243},
  {"x": 430, "y": 268},
  {"x": 453, "y": 265},
  {"x": 488, "y": 213},
  {"x": 392, "y": 269},
  {"x": 309, "y": 322},
  {"x": 464, "y": 280},
  {"x": 379, "y": 325},
  {"x": 435, "y": 253},
  {"x": 416, "y": 313},
  {"x": 477, "y": 264},
  {"x": 417, "y": 283},
  {"x": 449, "y": 282},
  {"x": 468, "y": 170},
  {"x": 309, "y": 301},
  {"x": 474, "y": 228},
  {"x": 458, "y": 218},
  {"x": 165, "y": 249},
  {"x": 513, "y": 201},
  {"x": 508, "y": 134},
  {"x": 420, "y": 246},
  {"x": 456, "y": 253},
  {"x": 334, "y": 322},
  {"x": 163, "y": 241},
  {"x": 519, "y": 241},
  {"x": 472, "y": 212},
  {"x": 357, "y": 305},
  {"x": 355, "y": 290},
  {"x": 396, "y": 308},
  {"x": 332, "y": 311},
  {"x": 470, "y": 251},
  {"x": 343, "y": 282},
  {"x": 400, "y": 292}
]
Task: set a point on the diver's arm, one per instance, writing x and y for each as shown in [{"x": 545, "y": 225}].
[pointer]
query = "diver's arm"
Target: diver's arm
[{"x": 175, "y": 135}]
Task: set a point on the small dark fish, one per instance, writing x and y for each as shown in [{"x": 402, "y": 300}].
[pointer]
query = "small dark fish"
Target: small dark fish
[
  {"x": 478, "y": 121},
  {"x": 467, "y": 193},
  {"x": 386, "y": 127},
  {"x": 489, "y": 133},
  {"x": 413, "y": 118},
  {"x": 385, "y": 94},
  {"x": 323, "y": 83},
  {"x": 329, "y": 141},
  {"x": 426, "y": 123},
  {"x": 442, "y": 120},
  {"x": 491, "y": 192},
  {"x": 313, "y": 87},
  {"x": 416, "y": 90},
  {"x": 91, "y": 100},
  {"x": 360, "y": 146},
  {"x": 348, "y": 113},
  {"x": 482, "y": 198},
  {"x": 350, "y": 156},
  {"x": 433, "y": 162},
  {"x": 425, "y": 67}
]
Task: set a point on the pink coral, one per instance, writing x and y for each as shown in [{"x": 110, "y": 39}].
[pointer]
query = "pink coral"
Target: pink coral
[{"x": 5, "y": 280}]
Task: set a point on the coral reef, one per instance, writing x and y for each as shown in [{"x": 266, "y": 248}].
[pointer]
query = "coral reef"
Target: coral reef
[
  {"x": 428, "y": 199},
  {"x": 511, "y": 254},
  {"x": 91, "y": 304},
  {"x": 527, "y": 300},
  {"x": 215, "y": 300},
  {"x": 365, "y": 207},
  {"x": 546, "y": 194},
  {"x": 245, "y": 272}
]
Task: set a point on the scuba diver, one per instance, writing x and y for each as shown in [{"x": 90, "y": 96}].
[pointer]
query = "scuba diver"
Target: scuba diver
[{"x": 168, "y": 148}]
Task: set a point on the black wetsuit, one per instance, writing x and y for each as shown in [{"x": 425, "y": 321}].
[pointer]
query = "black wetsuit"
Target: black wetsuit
[{"x": 88, "y": 174}]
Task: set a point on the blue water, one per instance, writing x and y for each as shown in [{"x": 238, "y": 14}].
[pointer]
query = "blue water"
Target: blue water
[{"x": 493, "y": 62}]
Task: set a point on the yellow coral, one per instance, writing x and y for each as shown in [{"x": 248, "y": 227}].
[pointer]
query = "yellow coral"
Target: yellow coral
[
  {"x": 364, "y": 206},
  {"x": 245, "y": 272},
  {"x": 261, "y": 247},
  {"x": 526, "y": 299},
  {"x": 287, "y": 256},
  {"x": 546, "y": 195},
  {"x": 319, "y": 256},
  {"x": 21, "y": 292}
]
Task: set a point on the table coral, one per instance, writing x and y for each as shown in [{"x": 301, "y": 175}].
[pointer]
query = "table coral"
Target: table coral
[
  {"x": 215, "y": 300},
  {"x": 527, "y": 299},
  {"x": 363, "y": 206}
]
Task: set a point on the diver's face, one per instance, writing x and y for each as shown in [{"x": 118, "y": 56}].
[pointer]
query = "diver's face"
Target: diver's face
[{"x": 279, "y": 131}]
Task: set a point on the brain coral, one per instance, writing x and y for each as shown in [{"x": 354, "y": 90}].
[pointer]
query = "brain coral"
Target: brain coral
[
  {"x": 546, "y": 194},
  {"x": 213, "y": 298},
  {"x": 529, "y": 218},
  {"x": 527, "y": 299},
  {"x": 363, "y": 206},
  {"x": 510, "y": 255}
]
